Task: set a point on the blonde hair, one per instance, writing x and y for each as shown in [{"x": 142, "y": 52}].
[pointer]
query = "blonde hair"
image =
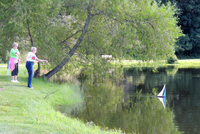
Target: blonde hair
[
  {"x": 33, "y": 48},
  {"x": 15, "y": 44}
]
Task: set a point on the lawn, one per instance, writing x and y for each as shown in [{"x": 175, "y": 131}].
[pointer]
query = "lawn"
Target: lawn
[
  {"x": 24, "y": 110},
  {"x": 185, "y": 63}
]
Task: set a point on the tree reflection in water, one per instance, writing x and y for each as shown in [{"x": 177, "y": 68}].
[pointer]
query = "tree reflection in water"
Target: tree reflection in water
[{"x": 108, "y": 106}]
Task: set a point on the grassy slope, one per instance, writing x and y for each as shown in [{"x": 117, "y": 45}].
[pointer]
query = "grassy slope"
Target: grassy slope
[{"x": 24, "y": 110}]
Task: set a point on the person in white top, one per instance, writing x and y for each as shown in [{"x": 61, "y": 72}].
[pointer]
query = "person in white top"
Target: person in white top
[{"x": 31, "y": 58}]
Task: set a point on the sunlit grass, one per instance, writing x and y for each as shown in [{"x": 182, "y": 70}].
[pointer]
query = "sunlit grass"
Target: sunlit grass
[{"x": 191, "y": 63}]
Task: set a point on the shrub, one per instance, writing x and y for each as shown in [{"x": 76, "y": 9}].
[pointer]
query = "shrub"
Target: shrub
[{"x": 172, "y": 59}]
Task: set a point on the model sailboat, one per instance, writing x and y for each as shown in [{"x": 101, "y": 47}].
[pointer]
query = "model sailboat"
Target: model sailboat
[
  {"x": 162, "y": 96},
  {"x": 162, "y": 92}
]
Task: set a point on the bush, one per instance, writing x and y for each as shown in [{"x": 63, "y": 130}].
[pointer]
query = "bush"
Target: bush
[{"x": 172, "y": 59}]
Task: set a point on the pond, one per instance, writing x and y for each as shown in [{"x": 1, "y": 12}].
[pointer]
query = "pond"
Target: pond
[{"x": 131, "y": 105}]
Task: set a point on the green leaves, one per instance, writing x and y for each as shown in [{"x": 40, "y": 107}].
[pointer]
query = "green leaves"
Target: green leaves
[
  {"x": 122, "y": 28},
  {"x": 151, "y": 26},
  {"x": 188, "y": 14}
]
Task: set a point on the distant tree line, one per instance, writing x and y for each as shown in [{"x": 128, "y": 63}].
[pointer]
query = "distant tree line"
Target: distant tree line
[{"x": 188, "y": 46}]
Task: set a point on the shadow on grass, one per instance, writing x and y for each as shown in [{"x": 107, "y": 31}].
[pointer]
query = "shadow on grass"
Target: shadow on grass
[
  {"x": 13, "y": 85},
  {"x": 5, "y": 81},
  {"x": 6, "y": 78}
]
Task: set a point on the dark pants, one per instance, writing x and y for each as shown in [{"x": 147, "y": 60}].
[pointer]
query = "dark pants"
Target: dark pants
[
  {"x": 29, "y": 67},
  {"x": 15, "y": 71}
]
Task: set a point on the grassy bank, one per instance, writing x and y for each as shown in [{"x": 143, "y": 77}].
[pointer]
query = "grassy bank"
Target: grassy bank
[
  {"x": 188, "y": 63},
  {"x": 24, "y": 110}
]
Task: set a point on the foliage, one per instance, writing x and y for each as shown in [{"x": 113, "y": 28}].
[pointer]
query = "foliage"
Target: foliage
[
  {"x": 172, "y": 59},
  {"x": 22, "y": 21},
  {"x": 188, "y": 45},
  {"x": 189, "y": 20},
  {"x": 79, "y": 31},
  {"x": 137, "y": 33}
]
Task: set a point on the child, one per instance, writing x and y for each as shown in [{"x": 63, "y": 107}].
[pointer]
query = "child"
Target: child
[{"x": 14, "y": 60}]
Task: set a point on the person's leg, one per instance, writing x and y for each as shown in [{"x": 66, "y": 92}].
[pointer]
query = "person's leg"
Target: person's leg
[
  {"x": 13, "y": 74},
  {"x": 15, "y": 79},
  {"x": 16, "y": 72},
  {"x": 12, "y": 78},
  {"x": 29, "y": 66}
]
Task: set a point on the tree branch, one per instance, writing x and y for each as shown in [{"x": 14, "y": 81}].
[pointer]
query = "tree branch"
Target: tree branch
[
  {"x": 29, "y": 32},
  {"x": 71, "y": 36},
  {"x": 50, "y": 94}
]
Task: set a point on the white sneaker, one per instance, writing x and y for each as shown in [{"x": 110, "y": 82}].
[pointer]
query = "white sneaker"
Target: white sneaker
[
  {"x": 12, "y": 81},
  {"x": 16, "y": 81}
]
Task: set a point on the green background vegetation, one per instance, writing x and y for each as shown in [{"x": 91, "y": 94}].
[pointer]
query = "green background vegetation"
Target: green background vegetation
[
  {"x": 187, "y": 46},
  {"x": 80, "y": 31}
]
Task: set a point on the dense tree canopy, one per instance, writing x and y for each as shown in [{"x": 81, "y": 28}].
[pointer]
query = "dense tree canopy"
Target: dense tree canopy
[
  {"x": 79, "y": 31},
  {"x": 188, "y": 46}
]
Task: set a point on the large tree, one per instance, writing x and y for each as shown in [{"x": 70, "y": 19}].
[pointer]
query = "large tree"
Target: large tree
[{"x": 81, "y": 30}]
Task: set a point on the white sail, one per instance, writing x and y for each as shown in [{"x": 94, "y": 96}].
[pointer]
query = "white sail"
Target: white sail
[{"x": 162, "y": 92}]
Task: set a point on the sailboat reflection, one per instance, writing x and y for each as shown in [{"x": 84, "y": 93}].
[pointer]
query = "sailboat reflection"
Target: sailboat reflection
[{"x": 162, "y": 96}]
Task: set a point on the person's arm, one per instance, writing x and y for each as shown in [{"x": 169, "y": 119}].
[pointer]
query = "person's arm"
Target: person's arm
[
  {"x": 17, "y": 53},
  {"x": 39, "y": 60}
]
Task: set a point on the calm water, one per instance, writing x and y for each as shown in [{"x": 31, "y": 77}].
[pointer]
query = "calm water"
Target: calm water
[{"x": 131, "y": 105}]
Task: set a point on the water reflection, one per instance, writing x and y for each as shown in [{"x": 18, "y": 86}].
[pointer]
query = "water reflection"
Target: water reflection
[
  {"x": 183, "y": 92},
  {"x": 131, "y": 107},
  {"x": 108, "y": 106},
  {"x": 163, "y": 101}
]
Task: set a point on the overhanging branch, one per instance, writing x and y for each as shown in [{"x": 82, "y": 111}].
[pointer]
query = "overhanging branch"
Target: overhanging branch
[{"x": 70, "y": 36}]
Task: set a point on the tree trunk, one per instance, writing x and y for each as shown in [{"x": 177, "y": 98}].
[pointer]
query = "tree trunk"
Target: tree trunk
[
  {"x": 29, "y": 32},
  {"x": 37, "y": 72},
  {"x": 66, "y": 59}
]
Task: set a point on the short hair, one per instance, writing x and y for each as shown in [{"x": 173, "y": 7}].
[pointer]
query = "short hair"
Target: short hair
[
  {"x": 33, "y": 48},
  {"x": 15, "y": 44}
]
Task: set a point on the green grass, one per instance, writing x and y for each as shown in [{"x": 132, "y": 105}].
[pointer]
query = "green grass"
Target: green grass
[
  {"x": 192, "y": 63},
  {"x": 25, "y": 111},
  {"x": 188, "y": 63}
]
